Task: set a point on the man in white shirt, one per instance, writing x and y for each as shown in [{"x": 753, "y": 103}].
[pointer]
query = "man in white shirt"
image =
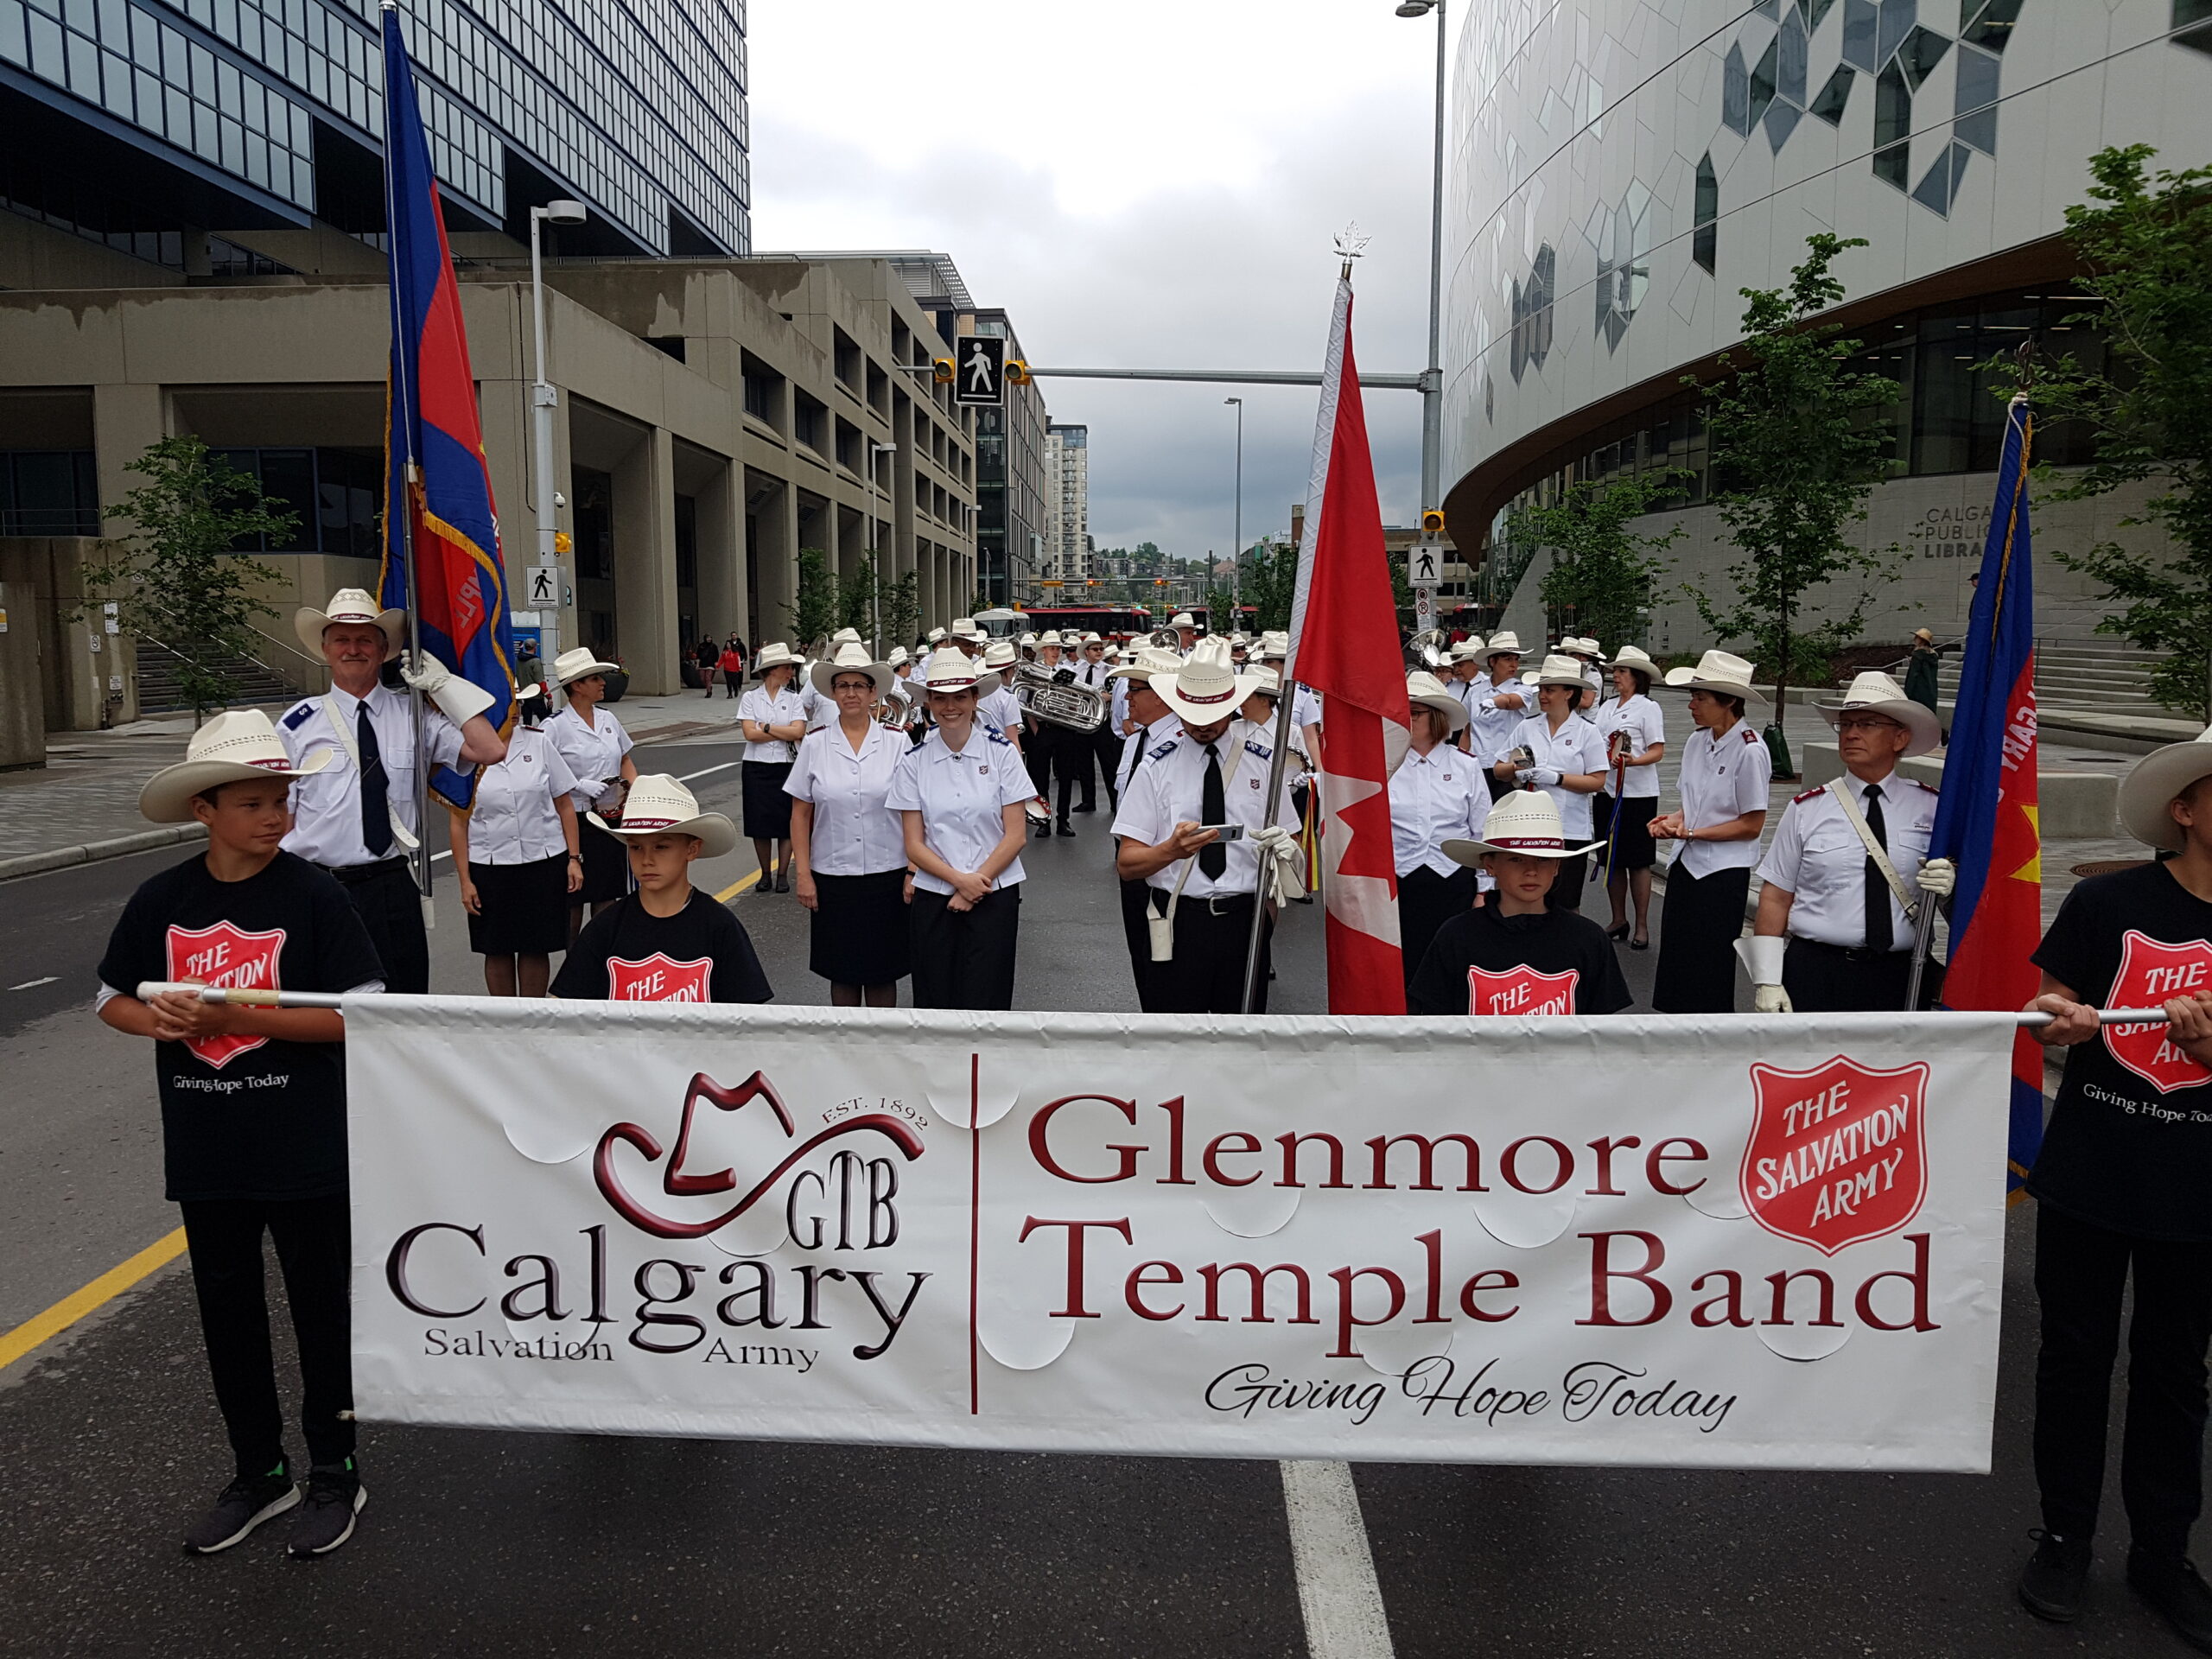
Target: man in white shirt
[
  {"x": 1152, "y": 724},
  {"x": 1496, "y": 705},
  {"x": 357, "y": 817},
  {"x": 1101, "y": 747}
]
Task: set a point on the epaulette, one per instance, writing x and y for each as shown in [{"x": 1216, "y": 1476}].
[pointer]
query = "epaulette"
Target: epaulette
[
  {"x": 1817, "y": 789},
  {"x": 1930, "y": 788},
  {"x": 998, "y": 737},
  {"x": 1750, "y": 736},
  {"x": 1164, "y": 750},
  {"x": 1253, "y": 746},
  {"x": 297, "y": 715}
]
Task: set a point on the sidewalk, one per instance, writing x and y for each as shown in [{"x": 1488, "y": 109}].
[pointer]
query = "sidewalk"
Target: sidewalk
[{"x": 83, "y": 804}]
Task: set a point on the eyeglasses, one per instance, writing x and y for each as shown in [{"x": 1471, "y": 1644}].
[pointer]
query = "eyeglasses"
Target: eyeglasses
[{"x": 1868, "y": 723}]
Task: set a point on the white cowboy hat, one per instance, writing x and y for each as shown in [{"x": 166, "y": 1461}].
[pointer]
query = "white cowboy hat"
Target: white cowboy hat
[
  {"x": 963, "y": 627},
  {"x": 1468, "y": 649},
  {"x": 1092, "y": 639},
  {"x": 1575, "y": 646},
  {"x": 1718, "y": 671},
  {"x": 774, "y": 654},
  {"x": 2152, "y": 783},
  {"x": 1635, "y": 656},
  {"x": 659, "y": 805},
  {"x": 1000, "y": 654},
  {"x": 1502, "y": 644},
  {"x": 237, "y": 745},
  {"x": 1557, "y": 670},
  {"x": 1524, "y": 821},
  {"x": 954, "y": 671},
  {"x": 896, "y": 658},
  {"x": 850, "y": 659},
  {"x": 1204, "y": 688},
  {"x": 1274, "y": 646},
  {"x": 846, "y": 637},
  {"x": 936, "y": 635},
  {"x": 1266, "y": 681},
  {"x": 1182, "y": 619},
  {"x": 1428, "y": 691},
  {"x": 350, "y": 605},
  {"x": 1027, "y": 639},
  {"x": 1148, "y": 661},
  {"x": 1875, "y": 693},
  {"x": 580, "y": 665}
]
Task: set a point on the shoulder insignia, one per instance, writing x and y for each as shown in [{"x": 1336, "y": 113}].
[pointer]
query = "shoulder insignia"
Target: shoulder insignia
[
  {"x": 296, "y": 716},
  {"x": 999, "y": 738},
  {"x": 1164, "y": 750},
  {"x": 1750, "y": 736},
  {"x": 1253, "y": 746},
  {"x": 1930, "y": 788},
  {"x": 1816, "y": 790}
]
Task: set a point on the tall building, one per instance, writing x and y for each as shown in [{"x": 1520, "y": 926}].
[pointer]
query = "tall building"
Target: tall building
[
  {"x": 1067, "y": 500},
  {"x": 1627, "y": 166}
]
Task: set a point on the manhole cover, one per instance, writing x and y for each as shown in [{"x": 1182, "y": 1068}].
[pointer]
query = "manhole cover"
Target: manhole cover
[{"x": 2109, "y": 866}]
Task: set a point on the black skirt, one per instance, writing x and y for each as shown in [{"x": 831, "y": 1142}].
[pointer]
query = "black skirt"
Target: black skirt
[
  {"x": 1699, "y": 922},
  {"x": 767, "y": 809},
  {"x": 606, "y": 865},
  {"x": 523, "y": 907},
  {"x": 858, "y": 932},
  {"x": 1634, "y": 850}
]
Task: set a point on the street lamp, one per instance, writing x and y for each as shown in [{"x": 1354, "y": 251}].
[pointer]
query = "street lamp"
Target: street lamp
[
  {"x": 1431, "y": 379},
  {"x": 875, "y": 544},
  {"x": 1236, "y": 544},
  {"x": 543, "y": 398}
]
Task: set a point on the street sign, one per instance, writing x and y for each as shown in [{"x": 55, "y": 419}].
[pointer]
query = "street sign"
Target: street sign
[
  {"x": 544, "y": 585},
  {"x": 979, "y": 375},
  {"x": 1421, "y": 560},
  {"x": 1424, "y": 607},
  {"x": 1050, "y": 582}
]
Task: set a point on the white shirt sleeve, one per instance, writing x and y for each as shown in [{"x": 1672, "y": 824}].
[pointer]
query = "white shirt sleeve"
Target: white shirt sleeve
[
  {"x": 557, "y": 773},
  {"x": 1779, "y": 867},
  {"x": 800, "y": 784},
  {"x": 1754, "y": 779},
  {"x": 905, "y": 792},
  {"x": 1141, "y": 818}
]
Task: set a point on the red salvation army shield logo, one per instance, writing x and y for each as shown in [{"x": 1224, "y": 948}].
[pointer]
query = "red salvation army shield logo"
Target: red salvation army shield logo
[
  {"x": 228, "y": 955},
  {"x": 1838, "y": 1154},
  {"x": 1519, "y": 990},
  {"x": 2152, "y": 972},
  {"x": 660, "y": 978}
]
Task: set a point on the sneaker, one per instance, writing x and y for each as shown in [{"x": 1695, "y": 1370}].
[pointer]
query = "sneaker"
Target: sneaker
[
  {"x": 2050, "y": 1584},
  {"x": 245, "y": 1504},
  {"x": 2176, "y": 1590},
  {"x": 335, "y": 1496}
]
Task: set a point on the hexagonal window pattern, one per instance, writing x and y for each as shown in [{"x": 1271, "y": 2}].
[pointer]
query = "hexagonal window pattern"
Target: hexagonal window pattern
[
  {"x": 1989, "y": 22},
  {"x": 1532, "y": 313},
  {"x": 1622, "y": 236},
  {"x": 1705, "y": 243},
  {"x": 1736, "y": 91},
  {"x": 1830, "y": 105}
]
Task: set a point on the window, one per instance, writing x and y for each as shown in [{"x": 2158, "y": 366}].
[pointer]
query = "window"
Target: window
[
  {"x": 1704, "y": 244},
  {"x": 810, "y": 422},
  {"x": 846, "y": 358},
  {"x": 763, "y": 390},
  {"x": 335, "y": 496},
  {"x": 49, "y": 493}
]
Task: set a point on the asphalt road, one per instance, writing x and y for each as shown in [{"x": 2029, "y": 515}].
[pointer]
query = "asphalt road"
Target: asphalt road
[{"x": 479, "y": 1543}]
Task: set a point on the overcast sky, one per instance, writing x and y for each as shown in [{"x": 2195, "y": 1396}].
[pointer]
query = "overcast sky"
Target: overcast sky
[{"x": 1151, "y": 183}]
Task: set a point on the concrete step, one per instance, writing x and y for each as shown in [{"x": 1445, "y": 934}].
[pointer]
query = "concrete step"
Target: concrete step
[{"x": 246, "y": 682}]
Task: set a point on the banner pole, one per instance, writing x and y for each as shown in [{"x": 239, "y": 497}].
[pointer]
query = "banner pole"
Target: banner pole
[
  {"x": 421, "y": 857},
  {"x": 1924, "y": 936},
  {"x": 1284, "y": 703}
]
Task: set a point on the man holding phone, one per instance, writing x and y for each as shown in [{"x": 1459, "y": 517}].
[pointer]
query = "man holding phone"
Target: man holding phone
[{"x": 1193, "y": 826}]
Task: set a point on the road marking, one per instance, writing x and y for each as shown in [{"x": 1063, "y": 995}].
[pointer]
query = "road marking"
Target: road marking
[
  {"x": 72, "y": 1307},
  {"x": 709, "y": 771},
  {"x": 736, "y": 888},
  {"x": 1337, "y": 1592},
  {"x": 30, "y": 984}
]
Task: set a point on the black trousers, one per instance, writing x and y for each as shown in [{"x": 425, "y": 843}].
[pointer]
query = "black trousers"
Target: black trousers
[
  {"x": 1207, "y": 973},
  {"x": 1566, "y": 886},
  {"x": 1699, "y": 924},
  {"x": 313, "y": 1239},
  {"x": 1135, "y": 902},
  {"x": 964, "y": 959},
  {"x": 2081, "y": 1273},
  {"x": 1045, "y": 751},
  {"x": 1829, "y": 979},
  {"x": 1106, "y": 757},
  {"x": 1426, "y": 902},
  {"x": 385, "y": 897}
]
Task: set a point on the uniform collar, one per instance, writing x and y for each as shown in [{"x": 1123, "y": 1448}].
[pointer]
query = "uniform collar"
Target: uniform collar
[
  {"x": 941, "y": 750},
  {"x": 347, "y": 700},
  {"x": 1859, "y": 788}
]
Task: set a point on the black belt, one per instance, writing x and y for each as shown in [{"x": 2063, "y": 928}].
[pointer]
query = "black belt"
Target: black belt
[
  {"x": 353, "y": 875},
  {"x": 1224, "y": 903},
  {"x": 1848, "y": 952}
]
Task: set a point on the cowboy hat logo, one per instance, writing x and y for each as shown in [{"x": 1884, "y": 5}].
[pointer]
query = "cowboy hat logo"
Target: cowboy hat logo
[
  {"x": 2152, "y": 972},
  {"x": 1837, "y": 1154}
]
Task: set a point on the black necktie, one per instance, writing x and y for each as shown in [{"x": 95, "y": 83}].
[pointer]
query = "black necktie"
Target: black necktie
[
  {"x": 1213, "y": 808},
  {"x": 1879, "y": 937},
  {"x": 376, "y": 808}
]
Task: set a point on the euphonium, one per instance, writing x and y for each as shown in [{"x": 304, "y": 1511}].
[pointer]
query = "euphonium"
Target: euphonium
[{"x": 1043, "y": 693}]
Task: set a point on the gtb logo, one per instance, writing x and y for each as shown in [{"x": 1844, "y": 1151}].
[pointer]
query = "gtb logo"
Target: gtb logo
[
  {"x": 2152, "y": 972},
  {"x": 230, "y": 956},
  {"x": 678, "y": 1181},
  {"x": 1519, "y": 990}
]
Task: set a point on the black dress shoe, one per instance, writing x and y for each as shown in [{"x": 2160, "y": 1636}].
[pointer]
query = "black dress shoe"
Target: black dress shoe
[
  {"x": 1066, "y": 828},
  {"x": 2172, "y": 1588},
  {"x": 1088, "y": 806},
  {"x": 2050, "y": 1584}
]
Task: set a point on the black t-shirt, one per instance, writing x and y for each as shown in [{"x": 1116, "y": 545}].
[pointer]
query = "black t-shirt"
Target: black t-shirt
[
  {"x": 625, "y": 954},
  {"x": 247, "y": 1117},
  {"x": 2130, "y": 1142},
  {"x": 1482, "y": 961}
]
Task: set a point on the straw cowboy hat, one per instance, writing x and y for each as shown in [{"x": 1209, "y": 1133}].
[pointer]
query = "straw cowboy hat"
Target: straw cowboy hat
[
  {"x": 1274, "y": 645},
  {"x": 846, "y": 637},
  {"x": 999, "y": 657},
  {"x": 1557, "y": 670},
  {"x": 237, "y": 745},
  {"x": 1027, "y": 642},
  {"x": 1575, "y": 645},
  {"x": 935, "y": 636},
  {"x": 1502, "y": 644},
  {"x": 1148, "y": 661},
  {"x": 1524, "y": 821},
  {"x": 659, "y": 805},
  {"x": 2152, "y": 784},
  {"x": 350, "y": 605},
  {"x": 580, "y": 665},
  {"x": 1206, "y": 688},
  {"x": 1092, "y": 639},
  {"x": 1924, "y": 637},
  {"x": 774, "y": 654},
  {"x": 1429, "y": 691},
  {"x": 1049, "y": 637},
  {"x": 1182, "y": 619},
  {"x": 1468, "y": 649},
  {"x": 851, "y": 659},
  {"x": 963, "y": 627},
  {"x": 1718, "y": 672},
  {"x": 1266, "y": 681},
  {"x": 1635, "y": 656},
  {"x": 955, "y": 670},
  {"x": 896, "y": 658},
  {"x": 1876, "y": 693}
]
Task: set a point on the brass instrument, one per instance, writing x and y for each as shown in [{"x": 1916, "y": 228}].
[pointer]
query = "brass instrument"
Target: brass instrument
[
  {"x": 1167, "y": 638},
  {"x": 1428, "y": 648},
  {"x": 1042, "y": 693}
]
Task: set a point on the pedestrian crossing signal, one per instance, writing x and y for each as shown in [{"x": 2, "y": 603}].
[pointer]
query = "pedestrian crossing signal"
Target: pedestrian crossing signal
[
  {"x": 561, "y": 540},
  {"x": 1017, "y": 373},
  {"x": 980, "y": 375},
  {"x": 1432, "y": 523},
  {"x": 941, "y": 370}
]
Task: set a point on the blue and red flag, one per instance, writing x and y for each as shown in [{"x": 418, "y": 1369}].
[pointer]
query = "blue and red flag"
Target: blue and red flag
[
  {"x": 438, "y": 508},
  {"x": 1987, "y": 823}
]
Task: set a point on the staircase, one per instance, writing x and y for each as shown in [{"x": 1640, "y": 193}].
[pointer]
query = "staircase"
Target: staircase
[
  {"x": 2093, "y": 678},
  {"x": 250, "y": 680}
]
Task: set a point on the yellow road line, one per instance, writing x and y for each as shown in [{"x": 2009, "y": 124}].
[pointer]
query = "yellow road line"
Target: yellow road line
[
  {"x": 72, "y": 1307},
  {"x": 736, "y": 888}
]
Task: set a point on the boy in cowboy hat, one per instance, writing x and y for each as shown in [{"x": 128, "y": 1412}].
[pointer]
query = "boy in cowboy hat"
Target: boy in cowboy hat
[
  {"x": 253, "y": 1109},
  {"x": 667, "y": 942},
  {"x": 2121, "y": 1186},
  {"x": 1517, "y": 953}
]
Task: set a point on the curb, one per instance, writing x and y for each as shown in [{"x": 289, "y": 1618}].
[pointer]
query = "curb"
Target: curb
[{"x": 92, "y": 852}]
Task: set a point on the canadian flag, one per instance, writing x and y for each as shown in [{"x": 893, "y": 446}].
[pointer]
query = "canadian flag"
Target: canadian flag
[{"x": 1344, "y": 643}]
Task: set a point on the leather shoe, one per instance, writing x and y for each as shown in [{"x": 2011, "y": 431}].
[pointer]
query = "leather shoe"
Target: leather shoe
[
  {"x": 1066, "y": 828},
  {"x": 2050, "y": 1584},
  {"x": 2172, "y": 1588}
]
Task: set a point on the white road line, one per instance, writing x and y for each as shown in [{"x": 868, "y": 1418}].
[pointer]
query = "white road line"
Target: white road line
[
  {"x": 709, "y": 772},
  {"x": 30, "y": 984},
  {"x": 1336, "y": 1591}
]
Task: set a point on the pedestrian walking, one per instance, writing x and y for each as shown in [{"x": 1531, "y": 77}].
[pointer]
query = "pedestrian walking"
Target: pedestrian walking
[
  {"x": 707, "y": 655},
  {"x": 1562, "y": 755},
  {"x": 1635, "y": 730},
  {"x": 1920, "y": 672},
  {"x": 596, "y": 747},
  {"x": 1437, "y": 795},
  {"x": 772, "y": 715},
  {"x": 253, "y": 1110},
  {"x": 733, "y": 667},
  {"x": 518, "y": 859},
  {"x": 847, "y": 847}
]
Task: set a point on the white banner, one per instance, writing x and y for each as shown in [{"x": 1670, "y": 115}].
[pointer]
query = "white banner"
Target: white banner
[{"x": 1771, "y": 1242}]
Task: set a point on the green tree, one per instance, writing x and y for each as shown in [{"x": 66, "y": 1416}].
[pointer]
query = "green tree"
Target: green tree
[
  {"x": 857, "y": 598},
  {"x": 178, "y": 577},
  {"x": 814, "y": 612},
  {"x": 2147, "y": 241},
  {"x": 1797, "y": 442},
  {"x": 1221, "y": 609},
  {"x": 902, "y": 611},
  {"x": 1601, "y": 581},
  {"x": 1272, "y": 583}
]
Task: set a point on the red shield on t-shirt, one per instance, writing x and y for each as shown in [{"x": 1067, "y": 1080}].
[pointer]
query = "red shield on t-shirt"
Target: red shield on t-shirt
[
  {"x": 1519, "y": 990},
  {"x": 660, "y": 978},
  {"x": 1837, "y": 1154},
  {"x": 2152, "y": 972},
  {"x": 228, "y": 955}
]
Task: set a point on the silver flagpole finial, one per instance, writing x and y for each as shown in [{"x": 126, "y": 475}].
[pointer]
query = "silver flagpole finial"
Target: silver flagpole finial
[{"x": 1349, "y": 243}]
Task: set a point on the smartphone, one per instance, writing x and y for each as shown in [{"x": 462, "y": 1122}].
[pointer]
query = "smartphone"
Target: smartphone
[{"x": 1228, "y": 832}]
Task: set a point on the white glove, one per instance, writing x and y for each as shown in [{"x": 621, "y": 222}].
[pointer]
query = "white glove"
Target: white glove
[
  {"x": 456, "y": 698},
  {"x": 1772, "y": 999},
  {"x": 1938, "y": 877},
  {"x": 1538, "y": 776},
  {"x": 1278, "y": 847},
  {"x": 1761, "y": 955}
]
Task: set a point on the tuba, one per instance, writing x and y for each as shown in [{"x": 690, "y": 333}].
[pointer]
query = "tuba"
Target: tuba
[
  {"x": 1426, "y": 648},
  {"x": 1042, "y": 693},
  {"x": 1167, "y": 638}
]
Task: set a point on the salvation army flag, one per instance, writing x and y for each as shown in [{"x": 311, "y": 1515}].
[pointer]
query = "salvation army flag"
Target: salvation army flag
[
  {"x": 1987, "y": 821},
  {"x": 1343, "y": 642},
  {"x": 437, "y": 486}
]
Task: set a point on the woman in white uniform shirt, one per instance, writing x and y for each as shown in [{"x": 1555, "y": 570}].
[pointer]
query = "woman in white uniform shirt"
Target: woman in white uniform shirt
[
  {"x": 960, "y": 795},
  {"x": 1437, "y": 794},
  {"x": 1635, "y": 734},
  {"x": 773, "y": 717},
  {"x": 1726, "y": 772},
  {"x": 1567, "y": 762},
  {"x": 516, "y": 856},
  {"x": 848, "y": 847},
  {"x": 597, "y": 750}
]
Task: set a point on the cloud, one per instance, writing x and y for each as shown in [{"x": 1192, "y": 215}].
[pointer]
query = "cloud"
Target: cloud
[{"x": 1150, "y": 186}]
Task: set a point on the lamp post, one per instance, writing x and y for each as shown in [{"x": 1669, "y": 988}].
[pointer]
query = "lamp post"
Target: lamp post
[
  {"x": 875, "y": 544},
  {"x": 1431, "y": 379},
  {"x": 543, "y": 398},
  {"x": 1236, "y": 544}
]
